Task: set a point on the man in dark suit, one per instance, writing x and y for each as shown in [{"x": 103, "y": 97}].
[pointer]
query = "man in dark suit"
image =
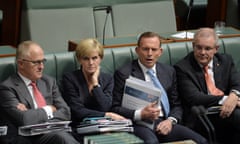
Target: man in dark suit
[
  {"x": 224, "y": 76},
  {"x": 19, "y": 105},
  {"x": 166, "y": 127}
]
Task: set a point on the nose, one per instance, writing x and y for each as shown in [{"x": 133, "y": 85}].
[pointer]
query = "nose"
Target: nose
[{"x": 150, "y": 52}]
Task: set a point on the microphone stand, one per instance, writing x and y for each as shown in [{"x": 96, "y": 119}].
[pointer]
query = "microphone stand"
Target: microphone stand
[
  {"x": 197, "y": 112},
  {"x": 204, "y": 115},
  {"x": 108, "y": 9},
  {"x": 188, "y": 16}
]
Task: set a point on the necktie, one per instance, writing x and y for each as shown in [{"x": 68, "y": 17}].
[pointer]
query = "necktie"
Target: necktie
[
  {"x": 211, "y": 86},
  {"x": 164, "y": 98},
  {"x": 38, "y": 96}
]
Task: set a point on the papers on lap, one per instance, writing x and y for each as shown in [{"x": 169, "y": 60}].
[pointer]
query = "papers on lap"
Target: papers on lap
[
  {"x": 36, "y": 129},
  {"x": 139, "y": 93},
  {"x": 107, "y": 125}
]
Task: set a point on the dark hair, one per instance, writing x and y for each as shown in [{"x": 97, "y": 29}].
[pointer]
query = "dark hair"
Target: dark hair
[{"x": 148, "y": 35}]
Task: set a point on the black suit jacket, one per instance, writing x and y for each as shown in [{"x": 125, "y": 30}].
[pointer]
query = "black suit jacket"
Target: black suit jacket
[
  {"x": 78, "y": 97},
  {"x": 166, "y": 75},
  {"x": 191, "y": 82},
  {"x": 14, "y": 91}
]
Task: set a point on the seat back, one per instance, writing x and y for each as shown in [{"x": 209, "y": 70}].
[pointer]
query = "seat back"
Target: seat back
[{"x": 135, "y": 18}]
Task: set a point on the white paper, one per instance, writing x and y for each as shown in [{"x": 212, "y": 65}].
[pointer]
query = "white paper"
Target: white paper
[
  {"x": 183, "y": 34},
  {"x": 139, "y": 93}
]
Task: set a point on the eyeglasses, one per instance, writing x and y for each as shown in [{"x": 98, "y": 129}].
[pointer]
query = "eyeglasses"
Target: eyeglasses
[{"x": 37, "y": 62}]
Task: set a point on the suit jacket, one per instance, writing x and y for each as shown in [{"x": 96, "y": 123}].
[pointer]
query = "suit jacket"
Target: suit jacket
[
  {"x": 166, "y": 75},
  {"x": 80, "y": 100},
  {"x": 13, "y": 91},
  {"x": 191, "y": 82}
]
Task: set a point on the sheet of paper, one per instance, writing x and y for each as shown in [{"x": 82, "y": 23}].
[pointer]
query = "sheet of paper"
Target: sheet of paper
[{"x": 183, "y": 34}]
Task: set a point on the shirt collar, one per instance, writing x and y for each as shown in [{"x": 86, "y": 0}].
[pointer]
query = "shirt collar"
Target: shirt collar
[
  {"x": 144, "y": 69},
  {"x": 25, "y": 80}
]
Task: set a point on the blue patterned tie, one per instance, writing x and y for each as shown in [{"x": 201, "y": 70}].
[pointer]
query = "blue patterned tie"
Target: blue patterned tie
[{"x": 164, "y": 98}]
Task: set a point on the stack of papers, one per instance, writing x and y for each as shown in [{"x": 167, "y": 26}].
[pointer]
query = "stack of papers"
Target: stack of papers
[
  {"x": 30, "y": 130},
  {"x": 106, "y": 125}
]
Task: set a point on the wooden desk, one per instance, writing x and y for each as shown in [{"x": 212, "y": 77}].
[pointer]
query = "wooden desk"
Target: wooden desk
[
  {"x": 114, "y": 42},
  {"x": 7, "y": 51}
]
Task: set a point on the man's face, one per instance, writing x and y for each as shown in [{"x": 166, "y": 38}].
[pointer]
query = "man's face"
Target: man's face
[
  {"x": 149, "y": 51},
  {"x": 204, "y": 49},
  {"x": 32, "y": 66}
]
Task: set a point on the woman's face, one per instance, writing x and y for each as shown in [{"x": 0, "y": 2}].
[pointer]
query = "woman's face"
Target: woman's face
[{"x": 90, "y": 63}]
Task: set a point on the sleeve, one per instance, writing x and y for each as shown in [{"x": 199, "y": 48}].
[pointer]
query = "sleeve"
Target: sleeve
[
  {"x": 10, "y": 98},
  {"x": 119, "y": 83},
  {"x": 103, "y": 93}
]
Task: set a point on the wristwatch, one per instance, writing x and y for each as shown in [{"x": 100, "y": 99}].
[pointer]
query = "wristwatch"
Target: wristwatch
[
  {"x": 236, "y": 92},
  {"x": 173, "y": 121}
]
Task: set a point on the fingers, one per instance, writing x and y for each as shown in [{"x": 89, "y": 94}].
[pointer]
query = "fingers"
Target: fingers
[
  {"x": 164, "y": 127},
  {"x": 21, "y": 107}
]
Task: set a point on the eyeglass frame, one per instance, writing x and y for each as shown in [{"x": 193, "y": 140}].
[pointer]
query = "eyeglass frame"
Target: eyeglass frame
[{"x": 37, "y": 62}]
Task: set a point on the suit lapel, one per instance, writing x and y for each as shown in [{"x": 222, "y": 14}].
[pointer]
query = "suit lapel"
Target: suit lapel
[
  {"x": 137, "y": 71},
  {"x": 199, "y": 74},
  {"x": 217, "y": 71},
  {"x": 23, "y": 92}
]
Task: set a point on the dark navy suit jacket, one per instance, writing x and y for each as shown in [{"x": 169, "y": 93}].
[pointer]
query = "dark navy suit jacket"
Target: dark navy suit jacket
[{"x": 80, "y": 100}]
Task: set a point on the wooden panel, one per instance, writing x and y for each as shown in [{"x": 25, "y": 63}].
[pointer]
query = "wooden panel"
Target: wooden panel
[
  {"x": 11, "y": 22},
  {"x": 216, "y": 10}
]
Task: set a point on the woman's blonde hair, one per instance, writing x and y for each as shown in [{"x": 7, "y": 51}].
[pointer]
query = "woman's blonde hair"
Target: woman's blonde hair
[{"x": 87, "y": 46}]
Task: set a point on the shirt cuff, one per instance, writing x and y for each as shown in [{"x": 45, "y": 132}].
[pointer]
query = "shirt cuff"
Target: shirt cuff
[
  {"x": 137, "y": 115},
  {"x": 175, "y": 121},
  {"x": 48, "y": 111},
  {"x": 222, "y": 100}
]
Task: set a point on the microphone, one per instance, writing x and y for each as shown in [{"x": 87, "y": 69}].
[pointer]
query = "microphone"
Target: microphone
[
  {"x": 196, "y": 111},
  {"x": 203, "y": 113},
  {"x": 188, "y": 16},
  {"x": 108, "y": 10}
]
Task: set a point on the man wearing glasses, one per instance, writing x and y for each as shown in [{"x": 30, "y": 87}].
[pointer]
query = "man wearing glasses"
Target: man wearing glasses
[
  {"x": 29, "y": 97},
  {"x": 206, "y": 77}
]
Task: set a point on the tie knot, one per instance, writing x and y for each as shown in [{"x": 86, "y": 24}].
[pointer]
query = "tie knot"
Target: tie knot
[
  {"x": 205, "y": 68},
  {"x": 33, "y": 84},
  {"x": 150, "y": 72}
]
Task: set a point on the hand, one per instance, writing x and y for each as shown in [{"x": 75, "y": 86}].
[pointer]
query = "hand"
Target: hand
[
  {"x": 53, "y": 108},
  {"x": 21, "y": 107},
  {"x": 95, "y": 76},
  {"x": 114, "y": 116},
  {"x": 164, "y": 127},
  {"x": 229, "y": 105},
  {"x": 150, "y": 111}
]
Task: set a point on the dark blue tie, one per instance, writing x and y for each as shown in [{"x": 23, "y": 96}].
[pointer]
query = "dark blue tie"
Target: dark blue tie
[{"x": 164, "y": 98}]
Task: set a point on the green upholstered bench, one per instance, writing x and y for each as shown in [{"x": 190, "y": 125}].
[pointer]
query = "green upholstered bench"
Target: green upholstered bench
[{"x": 59, "y": 63}]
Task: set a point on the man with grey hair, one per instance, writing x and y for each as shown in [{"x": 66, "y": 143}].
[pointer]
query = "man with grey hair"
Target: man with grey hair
[
  {"x": 208, "y": 78},
  {"x": 30, "y": 97}
]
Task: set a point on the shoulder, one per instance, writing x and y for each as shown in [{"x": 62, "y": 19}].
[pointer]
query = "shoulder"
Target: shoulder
[
  {"x": 164, "y": 67},
  {"x": 126, "y": 70}
]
